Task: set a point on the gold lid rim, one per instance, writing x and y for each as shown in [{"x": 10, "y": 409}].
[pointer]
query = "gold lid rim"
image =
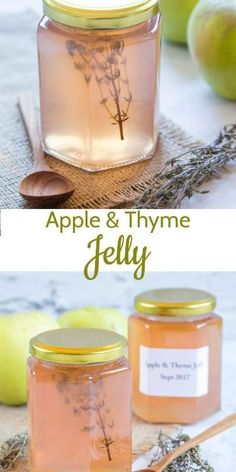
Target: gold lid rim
[
  {"x": 103, "y": 18},
  {"x": 175, "y": 308},
  {"x": 80, "y": 354}
]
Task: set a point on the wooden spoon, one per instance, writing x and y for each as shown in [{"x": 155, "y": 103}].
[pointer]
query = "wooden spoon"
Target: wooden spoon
[
  {"x": 209, "y": 433},
  {"x": 42, "y": 186}
]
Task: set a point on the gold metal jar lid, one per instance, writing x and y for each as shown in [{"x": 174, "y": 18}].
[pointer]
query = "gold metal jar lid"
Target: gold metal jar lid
[
  {"x": 175, "y": 302},
  {"x": 101, "y": 14},
  {"x": 78, "y": 346}
]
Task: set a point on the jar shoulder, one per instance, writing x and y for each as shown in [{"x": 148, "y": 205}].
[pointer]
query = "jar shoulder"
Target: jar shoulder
[
  {"x": 194, "y": 321},
  {"x": 144, "y": 30},
  {"x": 43, "y": 23},
  {"x": 43, "y": 368}
]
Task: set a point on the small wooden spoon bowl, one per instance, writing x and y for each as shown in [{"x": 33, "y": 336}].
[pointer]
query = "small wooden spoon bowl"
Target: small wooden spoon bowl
[{"x": 46, "y": 188}]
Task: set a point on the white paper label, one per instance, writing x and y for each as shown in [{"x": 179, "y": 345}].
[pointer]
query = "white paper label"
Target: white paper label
[{"x": 174, "y": 372}]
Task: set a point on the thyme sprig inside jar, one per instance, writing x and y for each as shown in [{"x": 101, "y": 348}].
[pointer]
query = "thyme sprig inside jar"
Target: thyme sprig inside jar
[
  {"x": 99, "y": 80},
  {"x": 175, "y": 355},
  {"x": 78, "y": 378}
]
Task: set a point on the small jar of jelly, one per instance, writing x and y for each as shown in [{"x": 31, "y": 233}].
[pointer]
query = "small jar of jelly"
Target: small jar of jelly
[
  {"x": 78, "y": 379},
  {"x": 99, "y": 65},
  {"x": 175, "y": 355}
]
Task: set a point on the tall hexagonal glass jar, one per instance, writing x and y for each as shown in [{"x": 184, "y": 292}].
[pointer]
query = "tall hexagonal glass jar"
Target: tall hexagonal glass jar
[
  {"x": 77, "y": 379},
  {"x": 99, "y": 67},
  {"x": 175, "y": 342}
]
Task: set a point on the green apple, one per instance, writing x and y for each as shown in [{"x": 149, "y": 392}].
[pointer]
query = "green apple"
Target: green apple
[
  {"x": 212, "y": 42},
  {"x": 15, "y": 333},
  {"x": 92, "y": 317},
  {"x": 176, "y": 14}
]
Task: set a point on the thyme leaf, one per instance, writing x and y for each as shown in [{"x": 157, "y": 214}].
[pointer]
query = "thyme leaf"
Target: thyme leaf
[{"x": 183, "y": 175}]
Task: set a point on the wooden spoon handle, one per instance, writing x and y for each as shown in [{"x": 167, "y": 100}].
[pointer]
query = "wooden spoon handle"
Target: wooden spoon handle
[
  {"x": 209, "y": 433},
  {"x": 27, "y": 109}
]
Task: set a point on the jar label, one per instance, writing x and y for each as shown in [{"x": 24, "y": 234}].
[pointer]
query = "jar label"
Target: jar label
[{"x": 174, "y": 372}]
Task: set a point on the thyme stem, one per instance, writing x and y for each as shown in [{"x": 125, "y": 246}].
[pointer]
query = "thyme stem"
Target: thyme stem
[
  {"x": 116, "y": 99},
  {"x": 107, "y": 442},
  {"x": 103, "y": 60}
]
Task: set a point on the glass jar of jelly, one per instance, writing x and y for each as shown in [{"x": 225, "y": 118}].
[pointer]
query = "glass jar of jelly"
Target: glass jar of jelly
[
  {"x": 175, "y": 355},
  {"x": 99, "y": 67},
  {"x": 77, "y": 381}
]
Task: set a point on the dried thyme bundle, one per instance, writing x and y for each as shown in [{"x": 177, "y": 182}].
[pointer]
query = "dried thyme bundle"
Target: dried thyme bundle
[
  {"x": 191, "y": 461},
  {"x": 13, "y": 450},
  {"x": 184, "y": 174}
]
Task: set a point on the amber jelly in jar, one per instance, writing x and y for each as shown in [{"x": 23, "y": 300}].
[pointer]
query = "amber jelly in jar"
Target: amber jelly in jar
[
  {"x": 99, "y": 64},
  {"x": 175, "y": 355},
  {"x": 79, "y": 384}
]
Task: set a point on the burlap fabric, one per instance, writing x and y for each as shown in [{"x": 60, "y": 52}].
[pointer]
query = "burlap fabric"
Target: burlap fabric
[{"x": 18, "y": 73}]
